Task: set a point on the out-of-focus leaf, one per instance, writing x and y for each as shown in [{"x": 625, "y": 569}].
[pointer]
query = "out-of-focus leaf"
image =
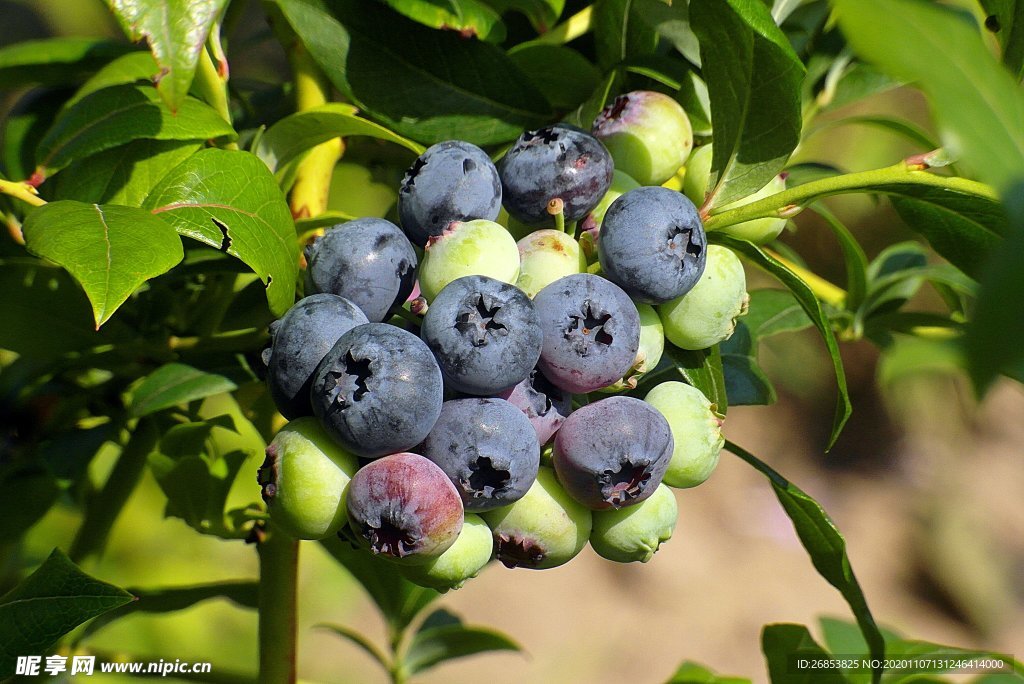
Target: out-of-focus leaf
[
  {"x": 302, "y": 131},
  {"x": 110, "y": 250},
  {"x": 824, "y": 544},
  {"x": 943, "y": 53},
  {"x": 29, "y": 120},
  {"x": 783, "y": 644},
  {"x": 120, "y": 114},
  {"x": 399, "y": 600},
  {"x": 468, "y": 18},
  {"x": 810, "y": 304},
  {"x": 176, "y": 32},
  {"x": 693, "y": 673},
  {"x": 197, "y": 488},
  {"x": 754, "y": 80},
  {"x": 901, "y": 127},
  {"x": 425, "y": 84},
  {"x": 34, "y": 489},
  {"x": 230, "y": 201},
  {"x": 360, "y": 640},
  {"x": 854, "y": 259},
  {"x": 438, "y": 643},
  {"x": 585, "y": 114},
  {"x": 542, "y": 13},
  {"x": 1006, "y": 20},
  {"x": 52, "y": 601},
  {"x": 123, "y": 175},
  {"x": 54, "y": 61},
  {"x": 174, "y": 384},
  {"x": 130, "y": 68},
  {"x": 565, "y": 76}
]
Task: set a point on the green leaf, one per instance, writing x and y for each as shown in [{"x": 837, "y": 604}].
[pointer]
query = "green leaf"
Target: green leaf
[
  {"x": 230, "y": 201},
  {"x": 117, "y": 115},
  {"x": 942, "y": 52},
  {"x": 694, "y": 673},
  {"x": 1006, "y": 20},
  {"x": 302, "y": 131},
  {"x": 54, "y": 61},
  {"x": 399, "y": 600},
  {"x": 36, "y": 490},
  {"x": 242, "y": 593},
  {"x": 123, "y": 175},
  {"x": 922, "y": 652},
  {"x": 855, "y": 260},
  {"x": 542, "y": 13},
  {"x": 52, "y": 601},
  {"x": 27, "y": 123},
  {"x": 468, "y": 18},
  {"x": 772, "y": 312},
  {"x": 130, "y": 68},
  {"x": 997, "y": 324},
  {"x": 197, "y": 489},
  {"x": 901, "y": 127},
  {"x": 702, "y": 369},
  {"x": 361, "y": 641},
  {"x": 425, "y": 84},
  {"x": 174, "y": 384},
  {"x": 176, "y": 32},
  {"x": 564, "y": 76},
  {"x": 585, "y": 114},
  {"x": 434, "y": 645},
  {"x": 44, "y": 312},
  {"x": 783, "y": 644},
  {"x": 823, "y": 542},
  {"x": 812, "y": 307},
  {"x": 110, "y": 250},
  {"x": 754, "y": 80},
  {"x": 671, "y": 21},
  {"x": 620, "y": 33}
]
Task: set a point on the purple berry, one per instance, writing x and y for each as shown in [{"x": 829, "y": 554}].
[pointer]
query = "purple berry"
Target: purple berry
[
  {"x": 488, "y": 449},
  {"x": 451, "y": 181},
  {"x": 652, "y": 244},
  {"x": 404, "y": 507},
  {"x": 613, "y": 453},
  {"x": 591, "y": 332},
  {"x": 544, "y": 404},
  {"x": 378, "y": 391},
  {"x": 555, "y": 162},
  {"x": 368, "y": 261},
  {"x": 484, "y": 333},
  {"x": 299, "y": 341}
]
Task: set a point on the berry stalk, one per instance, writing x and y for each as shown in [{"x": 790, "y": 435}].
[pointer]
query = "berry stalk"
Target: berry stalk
[{"x": 279, "y": 565}]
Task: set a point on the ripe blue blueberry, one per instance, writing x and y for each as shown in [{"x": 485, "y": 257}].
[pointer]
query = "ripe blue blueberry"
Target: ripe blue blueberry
[
  {"x": 591, "y": 332},
  {"x": 404, "y": 507},
  {"x": 613, "y": 452},
  {"x": 484, "y": 333},
  {"x": 558, "y": 161},
  {"x": 652, "y": 244},
  {"x": 378, "y": 391},
  {"x": 544, "y": 404},
  {"x": 299, "y": 341},
  {"x": 488, "y": 449},
  {"x": 368, "y": 261},
  {"x": 451, "y": 181}
]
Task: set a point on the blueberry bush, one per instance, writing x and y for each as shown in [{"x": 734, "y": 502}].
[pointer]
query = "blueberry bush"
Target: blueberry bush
[{"x": 528, "y": 351}]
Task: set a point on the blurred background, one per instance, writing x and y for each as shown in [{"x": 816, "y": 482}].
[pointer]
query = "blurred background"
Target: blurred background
[{"x": 925, "y": 484}]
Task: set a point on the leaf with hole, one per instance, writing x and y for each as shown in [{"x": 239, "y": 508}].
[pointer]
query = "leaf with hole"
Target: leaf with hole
[
  {"x": 230, "y": 201},
  {"x": 110, "y": 250}
]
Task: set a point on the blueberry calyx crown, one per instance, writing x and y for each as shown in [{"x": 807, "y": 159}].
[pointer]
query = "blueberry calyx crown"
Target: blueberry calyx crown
[
  {"x": 266, "y": 475},
  {"x": 351, "y": 385},
  {"x": 590, "y": 325},
  {"x": 485, "y": 481},
  {"x": 478, "y": 322},
  {"x": 630, "y": 481},
  {"x": 390, "y": 539},
  {"x": 518, "y": 552},
  {"x": 676, "y": 245}
]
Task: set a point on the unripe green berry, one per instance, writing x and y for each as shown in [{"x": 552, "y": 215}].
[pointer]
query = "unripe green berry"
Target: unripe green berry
[
  {"x": 634, "y": 533},
  {"x": 304, "y": 478},
  {"x": 544, "y": 257},
  {"x": 648, "y": 134},
  {"x": 696, "y": 431},
  {"x": 460, "y": 563},
  {"x": 478, "y": 247},
  {"x": 544, "y": 529},
  {"x": 707, "y": 314}
]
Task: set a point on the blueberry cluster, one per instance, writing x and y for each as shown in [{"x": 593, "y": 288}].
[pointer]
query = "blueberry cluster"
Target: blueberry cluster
[{"x": 457, "y": 397}]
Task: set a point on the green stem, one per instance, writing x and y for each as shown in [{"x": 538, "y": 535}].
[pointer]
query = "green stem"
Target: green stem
[
  {"x": 23, "y": 191},
  {"x": 402, "y": 312},
  {"x": 887, "y": 180},
  {"x": 570, "y": 29},
  {"x": 279, "y": 565},
  {"x": 104, "y": 506},
  {"x": 213, "y": 88}
]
